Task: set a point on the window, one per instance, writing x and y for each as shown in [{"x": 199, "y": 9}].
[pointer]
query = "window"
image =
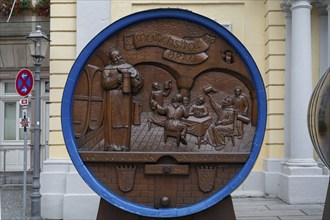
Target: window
[
  {"x": 10, "y": 88},
  {"x": 10, "y": 121},
  {"x": 11, "y": 136},
  {"x": 11, "y": 112}
]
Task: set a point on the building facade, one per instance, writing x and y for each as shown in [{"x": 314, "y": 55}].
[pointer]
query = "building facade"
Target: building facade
[
  {"x": 14, "y": 56},
  {"x": 290, "y": 43}
]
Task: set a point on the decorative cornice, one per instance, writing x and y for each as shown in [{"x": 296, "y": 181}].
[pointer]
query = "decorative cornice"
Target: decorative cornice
[
  {"x": 296, "y": 4},
  {"x": 322, "y": 2},
  {"x": 286, "y": 7},
  {"x": 322, "y": 6}
]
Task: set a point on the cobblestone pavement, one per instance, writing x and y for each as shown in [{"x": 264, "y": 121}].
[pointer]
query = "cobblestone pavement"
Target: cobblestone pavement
[
  {"x": 11, "y": 202},
  {"x": 256, "y": 208}
]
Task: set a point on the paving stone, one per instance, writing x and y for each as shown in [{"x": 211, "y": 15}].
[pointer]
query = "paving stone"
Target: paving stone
[
  {"x": 315, "y": 211},
  {"x": 306, "y": 217},
  {"x": 254, "y": 213},
  {"x": 275, "y": 209},
  {"x": 251, "y": 208},
  {"x": 256, "y": 202},
  {"x": 259, "y": 218},
  {"x": 301, "y": 207}
]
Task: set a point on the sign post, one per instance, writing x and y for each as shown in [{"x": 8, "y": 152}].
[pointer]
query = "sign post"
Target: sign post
[{"x": 24, "y": 84}]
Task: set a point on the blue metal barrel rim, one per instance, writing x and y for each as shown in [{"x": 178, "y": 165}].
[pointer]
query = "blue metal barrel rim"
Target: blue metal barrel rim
[{"x": 66, "y": 113}]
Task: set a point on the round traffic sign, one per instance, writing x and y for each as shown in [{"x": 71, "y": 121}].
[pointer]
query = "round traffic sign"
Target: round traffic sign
[{"x": 24, "y": 82}]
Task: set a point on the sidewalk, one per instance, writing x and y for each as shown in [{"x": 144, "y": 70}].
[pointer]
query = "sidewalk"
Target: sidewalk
[
  {"x": 262, "y": 208},
  {"x": 256, "y": 208},
  {"x": 11, "y": 202}
]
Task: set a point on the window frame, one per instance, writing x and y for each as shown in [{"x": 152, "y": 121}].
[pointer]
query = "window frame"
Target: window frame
[{"x": 14, "y": 97}]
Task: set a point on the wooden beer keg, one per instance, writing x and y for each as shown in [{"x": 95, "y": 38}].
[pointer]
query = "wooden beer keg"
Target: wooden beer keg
[{"x": 197, "y": 137}]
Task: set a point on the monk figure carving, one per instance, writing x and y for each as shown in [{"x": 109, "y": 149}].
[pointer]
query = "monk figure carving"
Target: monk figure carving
[
  {"x": 224, "y": 125},
  {"x": 120, "y": 81}
]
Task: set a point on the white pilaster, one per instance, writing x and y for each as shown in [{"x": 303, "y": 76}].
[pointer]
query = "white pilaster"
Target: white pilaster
[
  {"x": 288, "y": 26},
  {"x": 272, "y": 170},
  {"x": 301, "y": 148},
  {"x": 253, "y": 186},
  {"x": 328, "y": 9},
  {"x": 323, "y": 15},
  {"x": 92, "y": 17},
  {"x": 301, "y": 180}
]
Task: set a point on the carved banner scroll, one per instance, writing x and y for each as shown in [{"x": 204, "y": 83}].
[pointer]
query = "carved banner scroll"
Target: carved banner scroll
[{"x": 180, "y": 50}]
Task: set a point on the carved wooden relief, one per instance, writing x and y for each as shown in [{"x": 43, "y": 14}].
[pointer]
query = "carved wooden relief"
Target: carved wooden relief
[
  {"x": 169, "y": 102},
  {"x": 188, "y": 85}
]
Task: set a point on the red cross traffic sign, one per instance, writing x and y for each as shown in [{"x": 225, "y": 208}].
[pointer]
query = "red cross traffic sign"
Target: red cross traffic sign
[{"x": 24, "y": 82}]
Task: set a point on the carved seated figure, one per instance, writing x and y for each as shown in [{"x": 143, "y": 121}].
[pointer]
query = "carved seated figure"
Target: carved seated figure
[
  {"x": 224, "y": 125},
  {"x": 174, "y": 112},
  {"x": 157, "y": 95},
  {"x": 199, "y": 110}
]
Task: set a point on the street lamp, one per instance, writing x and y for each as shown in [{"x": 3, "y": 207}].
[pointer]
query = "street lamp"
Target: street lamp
[{"x": 38, "y": 42}]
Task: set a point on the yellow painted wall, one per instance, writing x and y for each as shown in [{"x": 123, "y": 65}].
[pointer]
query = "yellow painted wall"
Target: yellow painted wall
[
  {"x": 274, "y": 58},
  {"x": 62, "y": 57}
]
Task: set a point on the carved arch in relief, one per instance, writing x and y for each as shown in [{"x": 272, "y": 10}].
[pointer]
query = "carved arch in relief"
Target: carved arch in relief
[{"x": 248, "y": 84}]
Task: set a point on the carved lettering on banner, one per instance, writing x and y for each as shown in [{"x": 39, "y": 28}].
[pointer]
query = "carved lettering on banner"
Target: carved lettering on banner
[
  {"x": 184, "y": 58},
  {"x": 185, "y": 45},
  {"x": 180, "y": 50}
]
